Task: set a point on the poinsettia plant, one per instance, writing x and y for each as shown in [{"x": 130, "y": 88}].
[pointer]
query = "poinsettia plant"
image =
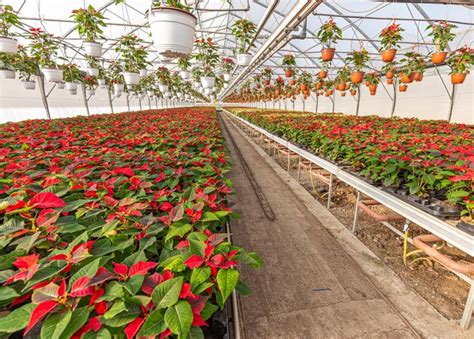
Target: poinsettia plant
[
  {"x": 461, "y": 60},
  {"x": 244, "y": 31},
  {"x": 441, "y": 33},
  {"x": 44, "y": 47},
  {"x": 390, "y": 37},
  {"x": 228, "y": 65},
  {"x": 132, "y": 53},
  {"x": 25, "y": 64},
  {"x": 8, "y": 19},
  {"x": 358, "y": 59},
  {"x": 89, "y": 23},
  {"x": 329, "y": 33},
  {"x": 184, "y": 64},
  {"x": 72, "y": 73}
]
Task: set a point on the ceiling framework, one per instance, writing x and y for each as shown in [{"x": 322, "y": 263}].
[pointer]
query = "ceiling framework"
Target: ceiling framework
[{"x": 361, "y": 23}]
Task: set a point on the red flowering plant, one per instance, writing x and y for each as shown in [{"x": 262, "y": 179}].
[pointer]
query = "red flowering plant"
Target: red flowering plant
[
  {"x": 390, "y": 37},
  {"x": 227, "y": 65},
  {"x": 90, "y": 82},
  {"x": 426, "y": 157},
  {"x": 110, "y": 225}
]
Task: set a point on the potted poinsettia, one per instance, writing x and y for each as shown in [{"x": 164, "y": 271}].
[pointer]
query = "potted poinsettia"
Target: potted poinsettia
[
  {"x": 89, "y": 24},
  {"x": 7, "y": 65},
  {"x": 129, "y": 47},
  {"x": 93, "y": 66},
  {"x": 460, "y": 62},
  {"x": 90, "y": 82},
  {"x": 442, "y": 35},
  {"x": 267, "y": 76},
  {"x": 115, "y": 74},
  {"x": 244, "y": 33},
  {"x": 372, "y": 79},
  {"x": 342, "y": 78},
  {"x": 329, "y": 34},
  {"x": 209, "y": 56},
  {"x": 44, "y": 49},
  {"x": 172, "y": 27},
  {"x": 196, "y": 74},
  {"x": 227, "y": 67},
  {"x": 389, "y": 69},
  {"x": 289, "y": 64},
  {"x": 184, "y": 65},
  {"x": 358, "y": 59},
  {"x": 409, "y": 65},
  {"x": 102, "y": 78},
  {"x": 8, "y": 19},
  {"x": 141, "y": 55},
  {"x": 389, "y": 39},
  {"x": 26, "y": 67},
  {"x": 323, "y": 72},
  {"x": 72, "y": 76},
  {"x": 164, "y": 79}
]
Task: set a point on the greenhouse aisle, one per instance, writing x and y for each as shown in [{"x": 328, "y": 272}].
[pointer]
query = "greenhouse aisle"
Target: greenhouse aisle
[{"x": 309, "y": 286}]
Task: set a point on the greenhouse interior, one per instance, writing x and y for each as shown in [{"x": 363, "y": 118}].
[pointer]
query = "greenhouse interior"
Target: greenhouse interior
[{"x": 236, "y": 169}]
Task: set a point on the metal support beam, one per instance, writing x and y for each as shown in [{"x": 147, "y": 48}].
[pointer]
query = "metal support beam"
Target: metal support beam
[
  {"x": 394, "y": 101},
  {"x": 44, "y": 98},
  {"x": 358, "y": 100},
  {"x": 451, "y": 102},
  {"x": 84, "y": 97},
  {"x": 110, "y": 99}
]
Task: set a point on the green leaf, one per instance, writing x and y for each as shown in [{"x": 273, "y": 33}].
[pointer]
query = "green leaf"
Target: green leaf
[
  {"x": 179, "y": 318},
  {"x": 55, "y": 324},
  {"x": 227, "y": 280},
  {"x": 134, "y": 284},
  {"x": 103, "y": 334},
  {"x": 79, "y": 316},
  {"x": 116, "y": 308},
  {"x": 167, "y": 293},
  {"x": 196, "y": 247},
  {"x": 199, "y": 275},
  {"x": 7, "y": 292},
  {"x": 242, "y": 288},
  {"x": 6, "y": 260},
  {"x": 154, "y": 324},
  {"x": 209, "y": 216},
  {"x": 177, "y": 231},
  {"x": 208, "y": 310},
  {"x": 88, "y": 270},
  {"x": 16, "y": 320},
  {"x": 11, "y": 226},
  {"x": 195, "y": 333},
  {"x": 45, "y": 273}
]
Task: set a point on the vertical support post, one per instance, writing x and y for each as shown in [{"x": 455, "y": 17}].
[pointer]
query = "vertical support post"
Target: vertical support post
[
  {"x": 356, "y": 213},
  {"x": 84, "y": 96},
  {"x": 285, "y": 104},
  {"x": 43, "y": 95},
  {"x": 292, "y": 105},
  {"x": 149, "y": 103},
  {"x": 317, "y": 104},
  {"x": 156, "y": 103},
  {"x": 394, "y": 101},
  {"x": 468, "y": 309},
  {"x": 358, "y": 100},
  {"x": 279, "y": 104},
  {"x": 333, "y": 101},
  {"x": 304, "y": 103},
  {"x": 109, "y": 95},
  {"x": 451, "y": 104},
  {"x": 140, "y": 102},
  {"x": 128, "y": 101},
  {"x": 289, "y": 161},
  {"x": 299, "y": 168},
  {"x": 331, "y": 181}
]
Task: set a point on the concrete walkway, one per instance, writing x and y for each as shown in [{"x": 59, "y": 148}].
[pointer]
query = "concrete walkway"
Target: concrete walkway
[{"x": 310, "y": 287}]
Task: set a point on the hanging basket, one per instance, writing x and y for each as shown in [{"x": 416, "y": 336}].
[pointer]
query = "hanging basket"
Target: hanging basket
[
  {"x": 71, "y": 86},
  {"x": 7, "y": 74},
  {"x": 172, "y": 30},
  {"x": 458, "y": 78},
  {"x": 29, "y": 84},
  {"x": 8, "y": 45},
  {"x": 131, "y": 78},
  {"x": 208, "y": 82},
  {"x": 227, "y": 76},
  {"x": 389, "y": 55},
  {"x": 93, "y": 49},
  {"x": 438, "y": 57},
  {"x": 327, "y": 54},
  {"x": 185, "y": 75},
  {"x": 243, "y": 59},
  {"x": 357, "y": 77},
  {"x": 163, "y": 88},
  {"x": 52, "y": 74},
  {"x": 93, "y": 72},
  {"x": 118, "y": 88}
]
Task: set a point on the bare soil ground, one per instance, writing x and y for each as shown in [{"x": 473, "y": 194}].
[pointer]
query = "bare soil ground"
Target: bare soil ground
[{"x": 440, "y": 287}]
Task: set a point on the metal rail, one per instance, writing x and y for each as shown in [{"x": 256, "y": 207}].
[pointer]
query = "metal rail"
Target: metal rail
[{"x": 452, "y": 235}]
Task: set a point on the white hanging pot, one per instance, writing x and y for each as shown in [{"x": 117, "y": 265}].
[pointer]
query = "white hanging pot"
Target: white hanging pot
[
  {"x": 208, "y": 82},
  {"x": 90, "y": 92},
  {"x": 60, "y": 85},
  {"x": 29, "y": 84},
  {"x": 71, "y": 86},
  {"x": 184, "y": 75},
  {"x": 150, "y": 93},
  {"x": 172, "y": 30},
  {"x": 118, "y": 88},
  {"x": 131, "y": 78},
  {"x": 93, "y": 49},
  {"x": 243, "y": 59},
  {"x": 8, "y": 45},
  {"x": 52, "y": 74},
  {"x": 227, "y": 76},
  {"x": 207, "y": 91},
  {"x": 101, "y": 82},
  {"x": 197, "y": 84},
  {"x": 118, "y": 94},
  {"x": 168, "y": 94},
  {"x": 93, "y": 72},
  {"x": 7, "y": 74},
  {"x": 129, "y": 87},
  {"x": 226, "y": 85},
  {"x": 73, "y": 92},
  {"x": 143, "y": 73},
  {"x": 163, "y": 88}
]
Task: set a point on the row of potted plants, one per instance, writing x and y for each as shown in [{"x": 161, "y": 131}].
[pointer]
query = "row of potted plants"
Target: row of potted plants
[
  {"x": 107, "y": 231},
  {"x": 429, "y": 158}
]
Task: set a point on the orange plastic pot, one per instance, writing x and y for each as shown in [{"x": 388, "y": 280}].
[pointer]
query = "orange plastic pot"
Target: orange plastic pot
[
  {"x": 389, "y": 81},
  {"x": 289, "y": 73},
  {"x": 292, "y": 82},
  {"x": 388, "y": 55},
  {"x": 327, "y": 54},
  {"x": 319, "y": 85},
  {"x": 418, "y": 76},
  {"x": 438, "y": 57},
  {"x": 343, "y": 94},
  {"x": 357, "y": 77},
  {"x": 457, "y": 78},
  {"x": 257, "y": 86},
  {"x": 323, "y": 74},
  {"x": 405, "y": 78},
  {"x": 277, "y": 92},
  {"x": 341, "y": 86},
  {"x": 372, "y": 87},
  {"x": 353, "y": 92},
  {"x": 402, "y": 88},
  {"x": 266, "y": 82},
  {"x": 389, "y": 75},
  {"x": 303, "y": 87}
]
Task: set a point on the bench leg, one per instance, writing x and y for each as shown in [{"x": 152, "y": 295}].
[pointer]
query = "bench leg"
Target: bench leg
[
  {"x": 331, "y": 179},
  {"x": 468, "y": 309},
  {"x": 356, "y": 213},
  {"x": 288, "y": 161},
  {"x": 299, "y": 168}
]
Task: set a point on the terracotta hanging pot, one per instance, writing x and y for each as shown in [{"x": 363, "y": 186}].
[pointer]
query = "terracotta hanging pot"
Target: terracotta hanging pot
[
  {"x": 343, "y": 94},
  {"x": 353, "y": 92},
  {"x": 303, "y": 87},
  {"x": 266, "y": 82},
  {"x": 389, "y": 81},
  {"x": 357, "y": 77},
  {"x": 292, "y": 82},
  {"x": 277, "y": 92},
  {"x": 257, "y": 86},
  {"x": 373, "y": 87},
  {"x": 389, "y": 55},
  {"x": 402, "y": 88},
  {"x": 389, "y": 75},
  {"x": 438, "y": 57},
  {"x": 367, "y": 84},
  {"x": 405, "y": 78},
  {"x": 289, "y": 73},
  {"x": 457, "y": 78},
  {"x": 327, "y": 94},
  {"x": 418, "y": 76},
  {"x": 323, "y": 74},
  {"x": 319, "y": 85},
  {"x": 341, "y": 86},
  {"x": 327, "y": 54}
]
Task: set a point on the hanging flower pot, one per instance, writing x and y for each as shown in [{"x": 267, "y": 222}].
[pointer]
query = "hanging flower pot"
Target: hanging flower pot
[
  {"x": 131, "y": 78},
  {"x": 405, "y": 78},
  {"x": 172, "y": 30},
  {"x": 402, "y": 88},
  {"x": 343, "y": 94},
  {"x": 303, "y": 87},
  {"x": 357, "y": 77},
  {"x": 7, "y": 74},
  {"x": 458, "y": 78},
  {"x": 438, "y": 57},
  {"x": 389, "y": 75},
  {"x": 372, "y": 89},
  {"x": 73, "y": 92},
  {"x": 323, "y": 74},
  {"x": 266, "y": 82},
  {"x": 389, "y": 55},
  {"x": 143, "y": 73},
  {"x": 71, "y": 86},
  {"x": 8, "y": 45},
  {"x": 118, "y": 88},
  {"x": 52, "y": 74},
  {"x": 418, "y": 76},
  {"x": 319, "y": 85},
  {"x": 150, "y": 93},
  {"x": 243, "y": 59},
  {"x": 208, "y": 82},
  {"x": 390, "y": 81},
  {"x": 227, "y": 76},
  {"x": 60, "y": 85},
  {"x": 327, "y": 54},
  {"x": 163, "y": 88},
  {"x": 93, "y": 72},
  {"x": 292, "y": 82},
  {"x": 29, "y": 84},
  {"x": 257, "y": 86},
  {"x": 185, "y": 75},
  {"x": 288, "y": 73},
  {"x": 93, "y": 49},
  {"x": 102, "y": 83},
  {"x": 341, "y": 86},
  {"x": 353, "y": 92}
]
